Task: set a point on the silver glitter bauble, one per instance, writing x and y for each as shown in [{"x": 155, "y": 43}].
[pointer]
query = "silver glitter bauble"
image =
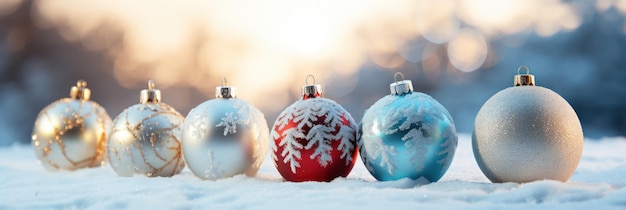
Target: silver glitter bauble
[
  {"x": 527, "y": 133},
  {"x": 224, "y": 137},
  {"x": 145, "y": 138},
  {"x": 71, "y": 133}
]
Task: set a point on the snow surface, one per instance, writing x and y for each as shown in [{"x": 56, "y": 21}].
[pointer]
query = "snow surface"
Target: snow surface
[{"x": 598, "y": 183}]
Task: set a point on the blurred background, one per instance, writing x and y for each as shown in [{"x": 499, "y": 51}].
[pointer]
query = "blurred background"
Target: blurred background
[{"x": 460, "y": 52}]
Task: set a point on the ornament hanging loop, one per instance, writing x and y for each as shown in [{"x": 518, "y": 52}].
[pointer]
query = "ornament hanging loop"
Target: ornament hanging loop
[
  {"x": 80, "y": 91},
  {"x": 519, "y": 69},
  {"x": 150, "y": 95},
  {"x": 525, "y": 79},
  {"x": 225, "y": 91},
  {"x": 395, "y": 76},
  {"x": 306, "y": 80},
  {"x": 311, "y": 90}
]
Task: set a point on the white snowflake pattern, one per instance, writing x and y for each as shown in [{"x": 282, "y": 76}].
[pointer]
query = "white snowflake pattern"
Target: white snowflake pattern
[
  {"x": 245, "y": 109},
  {"x": 417, "y": 136},
  {"x": 384, "y": 152},
  {"x": 415, "y": 140},
  {"x": 449, "y": 146},
  {"x": 199, "y": 127},
  {"x": 213, "y": 171},
  {"x": 254, "y": 117},
  {"x": 244, "y": 117},
  {"x": 229, "y": 122},
  {"x": 320, "y": 136}
]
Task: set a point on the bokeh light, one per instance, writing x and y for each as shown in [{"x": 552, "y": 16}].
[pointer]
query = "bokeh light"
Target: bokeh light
[
  {"x": 260, "y": 45},
  {"x": 266, "y": 48},
  {"x": 468, "y": 50}
]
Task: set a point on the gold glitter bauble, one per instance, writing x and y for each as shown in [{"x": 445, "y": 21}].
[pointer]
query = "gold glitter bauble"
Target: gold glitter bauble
[
  {"x": 145, "y": 138},
  {"x": 71, "y": 133}
]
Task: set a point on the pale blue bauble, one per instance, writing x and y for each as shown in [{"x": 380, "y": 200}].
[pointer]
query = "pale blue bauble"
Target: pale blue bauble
[{"x": 407, "y": 135}]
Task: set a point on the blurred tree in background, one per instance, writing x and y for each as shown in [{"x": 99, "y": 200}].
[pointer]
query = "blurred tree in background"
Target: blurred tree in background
[{"x": 460, "y": 52}]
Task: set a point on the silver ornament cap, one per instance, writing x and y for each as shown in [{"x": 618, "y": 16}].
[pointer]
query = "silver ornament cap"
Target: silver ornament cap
[
  {"x": 526, "y": 79},
  {"x": 150, "y": 95},
  {"x": 225, "y": 91},
  {"x": 80, "y": 91},
  {"x": 313, "y": 90},
  {"x": 400, "y": 86}
]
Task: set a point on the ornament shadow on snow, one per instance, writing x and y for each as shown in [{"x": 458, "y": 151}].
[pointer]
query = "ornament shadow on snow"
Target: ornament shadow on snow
[
  {"x": 71, "y": 133},
  {"x": 526, "y": 133},
  {"x": 145, "y": 138},
  {"x": 314, "y": 139},
  {"x": 407, "y": 135},
  {"x": 225, "y": 136}
]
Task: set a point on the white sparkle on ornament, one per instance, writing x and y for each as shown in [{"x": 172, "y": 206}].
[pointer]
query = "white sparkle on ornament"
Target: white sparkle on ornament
[{"x": 229, "y": 122}]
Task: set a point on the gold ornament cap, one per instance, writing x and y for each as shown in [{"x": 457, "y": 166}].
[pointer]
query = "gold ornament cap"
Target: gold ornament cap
[
  {"x": 311, "y": 91},
  {"x": 526, "y": 79},
  {"x": 400, "y": 86},
  {"x": 80, "y": 91},
  {"x": 225, "y": 91},
  {"x": 150, "y": 95}
]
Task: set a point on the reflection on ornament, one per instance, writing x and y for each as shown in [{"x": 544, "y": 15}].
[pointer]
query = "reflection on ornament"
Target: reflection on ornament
[
  {"x": 314, "y": 139},
  {"x": 224, "y": 137},
  {"x": 407, "y": 135},
  {"x": 71, "y": 133},
  {"x": 145, "y": 138},
  {"x": 526, "y": 133}
]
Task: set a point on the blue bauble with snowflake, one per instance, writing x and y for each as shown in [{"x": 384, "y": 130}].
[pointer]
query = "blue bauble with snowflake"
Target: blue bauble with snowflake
[
  {"x": 407, "y": 135},
  {"x": 224, "y": 137}
]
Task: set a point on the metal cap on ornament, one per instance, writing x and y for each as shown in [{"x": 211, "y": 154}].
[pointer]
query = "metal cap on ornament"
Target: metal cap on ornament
[
  {"x": 150, "y": 95},
  {"x": 311, "y": 91},
  {"x": 80, "y": 91},
  {"x": 225, "y": 91},
  {"x": 400, "y": 86},
  {"x": 526, "y": 79}
]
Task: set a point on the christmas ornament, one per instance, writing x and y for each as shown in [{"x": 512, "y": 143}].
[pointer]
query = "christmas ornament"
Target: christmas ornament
[
  {"x": 145, "y": 138},
  {"x": 225, "y": 136},
  {"x": 526, "y": 133},
  {"x": 314, "y": 138},
  {"x": 407, "y": 135},
  {"x": 71, "y": 133}
]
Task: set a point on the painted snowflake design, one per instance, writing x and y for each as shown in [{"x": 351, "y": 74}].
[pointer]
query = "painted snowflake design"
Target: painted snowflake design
[
  {"x": 417, "y": 137},
  {"x": 213, "y": 171},
  {"x": 199, "y": 127},
  {"x": 383, "y": 151},
  {"x": 244, "y": 117},
  {"x": 229, "y": 122},
  {"x": 304, "y": 113}
]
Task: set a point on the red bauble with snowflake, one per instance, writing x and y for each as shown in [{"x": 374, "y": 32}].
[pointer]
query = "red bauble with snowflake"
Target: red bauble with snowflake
[{"x": 314, "y": 139}]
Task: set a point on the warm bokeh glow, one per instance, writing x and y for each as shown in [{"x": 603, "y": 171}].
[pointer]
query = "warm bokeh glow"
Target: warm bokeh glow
[
  {"x": 266, "y": 48},
  {"x": 467, "y": 51}
]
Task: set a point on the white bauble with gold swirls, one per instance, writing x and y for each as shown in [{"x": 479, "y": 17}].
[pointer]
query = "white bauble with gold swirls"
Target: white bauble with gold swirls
[{"x": 145, "y": 138}]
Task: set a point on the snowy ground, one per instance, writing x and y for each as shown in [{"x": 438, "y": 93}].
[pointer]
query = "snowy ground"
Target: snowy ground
[{"x": 599, "y": 181}]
